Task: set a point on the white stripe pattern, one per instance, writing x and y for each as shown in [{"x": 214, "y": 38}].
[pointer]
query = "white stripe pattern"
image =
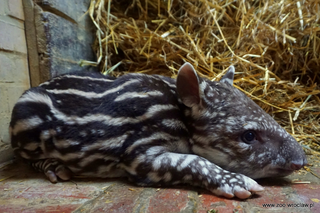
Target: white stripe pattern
[
  {"x": 131, "y": 95},
  {"x": 71, "y": 120},
  {"x": 93, "y": 94},
  {"x": 77, "y": 77},
  {"x": 26, "y": 124}
]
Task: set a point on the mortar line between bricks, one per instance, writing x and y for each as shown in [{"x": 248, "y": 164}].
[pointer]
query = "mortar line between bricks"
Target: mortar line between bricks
[
  {"x": 15, "y": 18},
  {"x": 92, "y": 202},
  {"x": 13, "y": 52},
  {"x": 143, "y": 200},
  {"x": 193, "y": 202}
]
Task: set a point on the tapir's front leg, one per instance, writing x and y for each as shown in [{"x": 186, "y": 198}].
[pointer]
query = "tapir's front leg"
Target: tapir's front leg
[{"x": 167, "y": 168}]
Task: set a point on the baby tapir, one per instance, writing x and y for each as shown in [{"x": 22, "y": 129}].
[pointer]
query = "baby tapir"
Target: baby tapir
[{"x": 154, "y": 130}]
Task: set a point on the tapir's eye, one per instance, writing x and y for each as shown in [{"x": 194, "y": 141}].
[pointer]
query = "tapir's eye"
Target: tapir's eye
[{"x": 248, "y": 136}]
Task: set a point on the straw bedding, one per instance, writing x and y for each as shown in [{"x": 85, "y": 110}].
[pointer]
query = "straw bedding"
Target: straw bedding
[{"x": 274, "y": 45}]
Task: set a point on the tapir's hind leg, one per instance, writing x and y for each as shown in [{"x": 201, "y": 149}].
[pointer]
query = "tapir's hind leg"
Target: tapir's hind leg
[{"x": 52, "y": 169}]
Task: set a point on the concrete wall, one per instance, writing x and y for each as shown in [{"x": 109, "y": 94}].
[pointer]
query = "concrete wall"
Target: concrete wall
[
  {"x": 14, "y": 74},
  {"x": 64, "y": 36},
  {"x": 39, "y": 39}
]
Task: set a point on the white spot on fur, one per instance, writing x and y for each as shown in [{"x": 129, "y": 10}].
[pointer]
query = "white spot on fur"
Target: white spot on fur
[
  {"x": 252, "y": 157},
  {"x": 173, "y": 124},
  {"x": 201, "y": 163},
  {"x": 203, "y": 85},
  {"x": 187, "y": 161},
  {"x": 244, "y": 146},
  {"x": 205, "y": 171},
  {"x": 251, "y": 125},
  {"x": 222, "y": 114},
  {"x": 210, "y": 94},
  {"x": 216, "y": 170},
  {"x": 233, "y": 180},
  {"x": 193, "y": 170},
  {"x": 174, "y": 158}
]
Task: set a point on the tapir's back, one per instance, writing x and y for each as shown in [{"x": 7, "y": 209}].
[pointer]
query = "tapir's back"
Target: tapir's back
[{"x": 88, "y": 121}]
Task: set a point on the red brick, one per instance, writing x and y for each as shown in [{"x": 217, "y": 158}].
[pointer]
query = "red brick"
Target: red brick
[
  {"x": 306, "y": 192},
  {"x": 168, "y": 200},
  {"x": 43, "y": 196},
  {"x": 208, "y": 202},
  {"x": 116, "y": 199},
  {"x": 271, "y": 195}
]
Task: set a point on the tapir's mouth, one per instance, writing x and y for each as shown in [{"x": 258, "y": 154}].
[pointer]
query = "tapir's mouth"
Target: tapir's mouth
[
  {"x": 289, "y": 168},
  {"x": 267, "y": 172},
  {"x": 280, "y": 172},
  {"x": 274, "y": 172}
]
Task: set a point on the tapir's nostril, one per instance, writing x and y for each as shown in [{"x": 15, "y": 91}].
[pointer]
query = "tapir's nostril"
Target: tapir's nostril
[{"x": 296, "y": 165}]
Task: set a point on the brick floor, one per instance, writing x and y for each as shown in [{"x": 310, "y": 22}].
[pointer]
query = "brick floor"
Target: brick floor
[{"x": 24, "y": 190}]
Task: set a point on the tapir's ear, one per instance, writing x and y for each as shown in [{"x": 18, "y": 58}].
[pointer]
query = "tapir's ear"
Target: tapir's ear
[
  {"x": 228, "y": 77},
  {"x": 188, "y": 85}
]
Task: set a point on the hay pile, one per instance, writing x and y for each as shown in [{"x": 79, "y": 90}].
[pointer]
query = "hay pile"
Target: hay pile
[{"x": 274, "y": 45}]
